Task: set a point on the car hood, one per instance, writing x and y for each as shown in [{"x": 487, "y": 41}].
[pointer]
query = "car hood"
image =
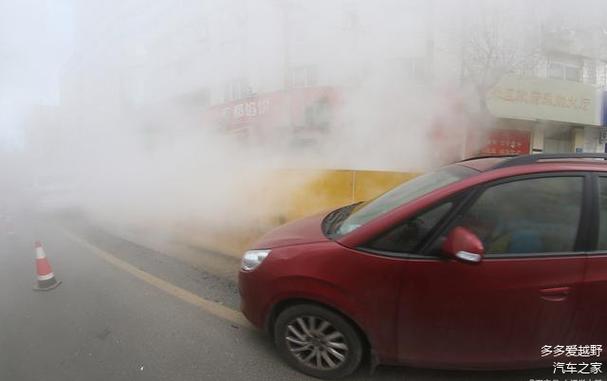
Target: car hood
[{"x": 305, "y": 230}]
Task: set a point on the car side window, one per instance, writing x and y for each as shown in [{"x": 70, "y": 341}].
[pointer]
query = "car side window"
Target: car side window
[
  {"x": 539, "y": 215},
  {"x": 602, "y": 243},
  {"x": 405, "y": 237}
]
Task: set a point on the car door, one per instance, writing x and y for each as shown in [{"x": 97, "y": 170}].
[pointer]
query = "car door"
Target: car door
[
  {"x": 521, "y": 296},
  {"x": 593, "y": 296}
]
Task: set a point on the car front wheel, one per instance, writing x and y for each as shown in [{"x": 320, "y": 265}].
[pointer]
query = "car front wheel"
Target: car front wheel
[{"x": 317, "y": 341}]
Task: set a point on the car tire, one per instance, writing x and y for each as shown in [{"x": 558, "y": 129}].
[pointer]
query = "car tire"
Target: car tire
[{"x": 317, "y": 341}]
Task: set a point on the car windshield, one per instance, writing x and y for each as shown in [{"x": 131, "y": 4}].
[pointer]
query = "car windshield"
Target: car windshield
[{"x": 362, "y": 213}]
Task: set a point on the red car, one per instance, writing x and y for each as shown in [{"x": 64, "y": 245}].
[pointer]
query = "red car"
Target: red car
[{"x": 489, "y": 263}]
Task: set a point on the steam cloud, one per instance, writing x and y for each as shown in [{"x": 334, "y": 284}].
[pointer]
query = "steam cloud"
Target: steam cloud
[{"x": 159, "y": 162}]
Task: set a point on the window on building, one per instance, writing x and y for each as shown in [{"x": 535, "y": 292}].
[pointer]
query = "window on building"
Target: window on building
[
  {"x": 303, "y": 76},
  {"x": 201, "y": 30},
  {"x": 558, "y": 139},
  {"x": 566, "y": 71},
  {"x": 201, "y": 98},
  {"x": 236, "y": 89},
  {"x": 135, "y": 86},
  {"x": 555, "y": 71},
  {"x": 601, "y": 73},
  {"x": 351, "y": 20},
  {"x": 572, "y": 73},
  {"x": 416, "y": 68},
  {"x": 590, "y": 69},
  {"x": 409, "y": 68},
  {"x": 318, "y": 115}
]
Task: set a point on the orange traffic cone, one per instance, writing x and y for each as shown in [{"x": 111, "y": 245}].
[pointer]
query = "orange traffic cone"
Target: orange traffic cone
[{"x": 46, "y": 278}]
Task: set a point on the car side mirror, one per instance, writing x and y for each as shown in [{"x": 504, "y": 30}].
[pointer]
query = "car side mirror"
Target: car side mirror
[{"x": 463, "y": 245}]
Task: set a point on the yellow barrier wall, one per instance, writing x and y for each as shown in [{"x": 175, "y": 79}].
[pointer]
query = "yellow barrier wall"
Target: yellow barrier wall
[
  {"x": 292, "y": 194},
  {"x": 329, "y": 189}
]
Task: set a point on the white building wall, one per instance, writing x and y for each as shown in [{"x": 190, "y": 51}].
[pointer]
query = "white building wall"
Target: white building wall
[{"x": 137, "y": 52}]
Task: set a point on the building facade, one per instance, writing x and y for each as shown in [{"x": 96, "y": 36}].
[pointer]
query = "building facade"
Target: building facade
[{"x": 287, "y": 70}]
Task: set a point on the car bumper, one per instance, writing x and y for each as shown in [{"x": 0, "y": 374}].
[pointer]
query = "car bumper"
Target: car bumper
[{"x": 251, "y": 300}]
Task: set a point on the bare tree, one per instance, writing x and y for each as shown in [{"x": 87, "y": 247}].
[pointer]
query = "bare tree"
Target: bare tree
[{"x": 494, "y": 43}]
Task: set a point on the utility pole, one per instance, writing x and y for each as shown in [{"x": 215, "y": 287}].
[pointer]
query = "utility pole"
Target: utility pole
[
  {"x": 286, "y": 32},
  {"x": 429, "y": 39},
  {"x": 286, "y": 7}
]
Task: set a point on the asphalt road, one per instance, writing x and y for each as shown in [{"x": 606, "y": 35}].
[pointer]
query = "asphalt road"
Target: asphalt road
[{"x": 130, "y": 312}]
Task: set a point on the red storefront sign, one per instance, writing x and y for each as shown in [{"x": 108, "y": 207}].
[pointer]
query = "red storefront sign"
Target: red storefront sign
[
  {"x": 507, "y": 142},
  {"x": 270, "y": 110}
]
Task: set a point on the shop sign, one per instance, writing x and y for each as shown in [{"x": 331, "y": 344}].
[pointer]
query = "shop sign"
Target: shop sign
[
  {"x": 545, "y": 99},
  {"x": 278, "y": 108},
  {"x": 249, "y": 109},
  {"x": 507, "y": 142}
]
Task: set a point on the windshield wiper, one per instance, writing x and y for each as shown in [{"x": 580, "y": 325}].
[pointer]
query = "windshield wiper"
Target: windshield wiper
[{"x": 334, "y": 219}]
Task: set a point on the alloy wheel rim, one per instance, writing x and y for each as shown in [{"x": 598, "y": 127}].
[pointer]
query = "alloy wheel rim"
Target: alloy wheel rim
[{"x": 316, "y": 343}]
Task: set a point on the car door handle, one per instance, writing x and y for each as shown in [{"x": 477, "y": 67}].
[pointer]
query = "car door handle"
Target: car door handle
[{"x": 555, "y": 294}]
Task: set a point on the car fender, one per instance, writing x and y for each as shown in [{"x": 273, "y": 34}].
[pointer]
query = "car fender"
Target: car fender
[{"x": 316, "y": 291}]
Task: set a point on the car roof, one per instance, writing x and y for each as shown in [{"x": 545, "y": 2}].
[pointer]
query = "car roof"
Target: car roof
[
  {"x": 487, "y": 163},
  {"x": 482, "y": 164}
]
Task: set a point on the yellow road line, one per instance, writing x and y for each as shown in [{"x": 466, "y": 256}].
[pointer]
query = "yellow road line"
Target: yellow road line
[{"x": 211, "y": 307}]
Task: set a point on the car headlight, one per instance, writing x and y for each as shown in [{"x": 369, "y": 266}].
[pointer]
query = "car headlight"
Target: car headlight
[{"x": 253, "y": 258}]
